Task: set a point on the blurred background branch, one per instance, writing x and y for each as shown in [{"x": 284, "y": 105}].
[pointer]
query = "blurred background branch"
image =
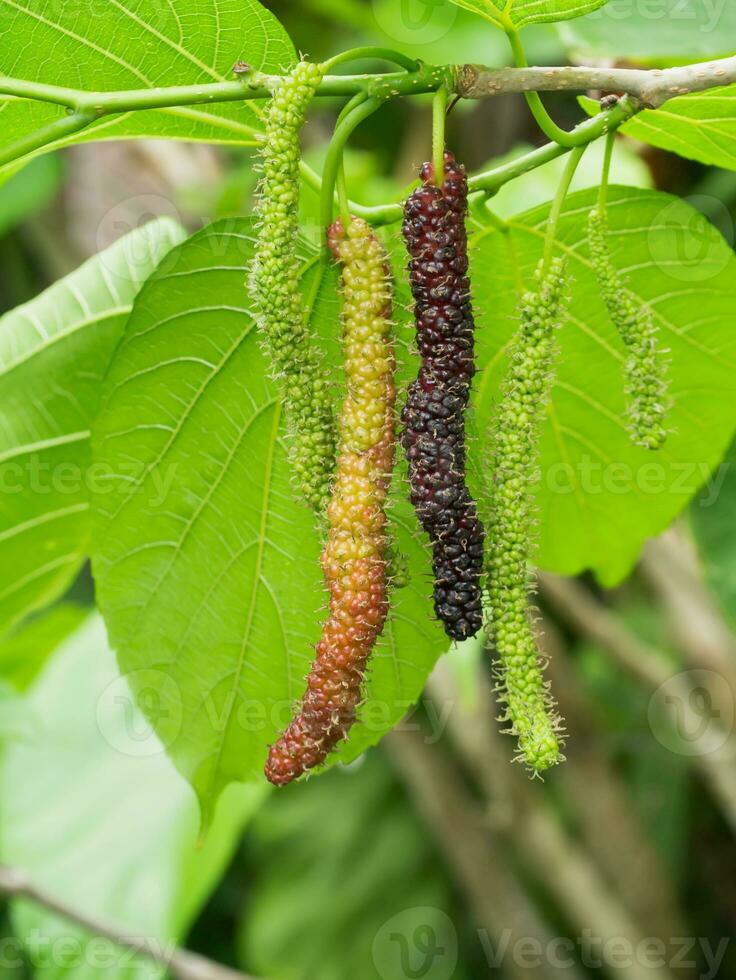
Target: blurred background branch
[{"x": 181, "y": 964}]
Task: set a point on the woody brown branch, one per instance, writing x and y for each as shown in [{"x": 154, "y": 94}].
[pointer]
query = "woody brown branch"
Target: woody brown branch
[{"x": 651, "y": 87}]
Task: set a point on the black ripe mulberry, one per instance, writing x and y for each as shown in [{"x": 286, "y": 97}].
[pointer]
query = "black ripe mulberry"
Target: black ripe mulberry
[{"x": 433, "y": 436}]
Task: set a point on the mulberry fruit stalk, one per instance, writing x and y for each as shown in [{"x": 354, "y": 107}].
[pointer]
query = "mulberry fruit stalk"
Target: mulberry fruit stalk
[
  {"x": 433, "y": 419},
  {"x": 514, "y": 470},
  {"x": 354, "y": 558},
  {"x": 275, "y": 288},
  {"x": 646, "y": 383}
]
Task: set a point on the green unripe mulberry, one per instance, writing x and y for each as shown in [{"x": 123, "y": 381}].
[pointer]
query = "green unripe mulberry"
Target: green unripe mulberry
[
  {"x": 275, "y": 288},
  {"x": 515, "y": 446},
  {"x": 646, "y": 385}
]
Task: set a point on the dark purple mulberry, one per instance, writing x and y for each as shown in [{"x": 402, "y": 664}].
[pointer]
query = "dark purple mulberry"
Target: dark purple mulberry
[{"x": 433, "y": 437}]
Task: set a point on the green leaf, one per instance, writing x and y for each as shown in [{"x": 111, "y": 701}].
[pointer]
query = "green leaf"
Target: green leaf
[
  {"x": 207, "y": 569},
  {"x": 600, "y": 497},
  {"x": 53, "y": 354},
  {"x": 115, "y": 835},
  {"x": 661, "y": 31},
  {"x": 700, "y": 127},
  {"x": 519, "y": 13},
  {"x": 24, "y": 652},
  {"x": 111, "y": 45}
]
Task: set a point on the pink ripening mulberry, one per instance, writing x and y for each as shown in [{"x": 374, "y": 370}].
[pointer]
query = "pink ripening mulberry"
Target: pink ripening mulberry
[
  {"x": 434, "y": 415},
  {"x": 354, "y": 558}
]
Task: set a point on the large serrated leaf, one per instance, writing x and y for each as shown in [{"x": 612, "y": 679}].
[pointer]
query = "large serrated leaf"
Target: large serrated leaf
[
  {"x": 701, "y": 126},
  {"x": 111, "y": 45},
  {"x": 96, "y": 815},
  {"x": 207, "y": 569},
  {"x": 600, "y": 497},
  {"x": 53, "y": 354},
  {"x": 520, "y": 13}
]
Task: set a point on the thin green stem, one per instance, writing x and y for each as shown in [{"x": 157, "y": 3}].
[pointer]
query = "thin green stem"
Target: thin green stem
[
  {"x": 373, "y": 53},
  {"x": 342, "y": 192},
  {"x": 439, "y": 112},
  {"x": 341, "y": 180},
  {"x": 342, "y": 134},
  {"x": 557, "y": 203},
  {"x": 495, "y": 220},
  {"x": 492, "y": 180},
  {"x": 606, "y": 173},
  {"x": 382, "y": 214},
  {"x": 349, "y": 106},
  {"x": 253, "y": 85},
  {"x": 543, "y": 119},
  {"x": 50, "y": 133}
]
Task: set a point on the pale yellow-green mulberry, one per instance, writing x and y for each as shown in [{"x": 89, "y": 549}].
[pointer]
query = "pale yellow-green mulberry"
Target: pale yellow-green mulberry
[
  {"x": 275, "y": 288},
  {"x": 514, "y": 471}
]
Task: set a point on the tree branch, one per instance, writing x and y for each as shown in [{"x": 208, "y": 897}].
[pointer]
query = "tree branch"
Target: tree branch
[
  {"x": 181, "y": 964},
  {"x": 477, "y": 860},
  {"x": 644, "y": 88},
  {"x": 58, "y": 129},
  {"x": 672, "y": 567},
  {"x": 578, "y": 607},
  {"x": 609, "y": 825},
  {"x": 543, "y": 844},
  {"x": 650, "y": 87}
]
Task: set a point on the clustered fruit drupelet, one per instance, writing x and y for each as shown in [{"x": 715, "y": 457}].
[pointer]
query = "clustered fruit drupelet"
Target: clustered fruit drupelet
[
  {"x": 646, "y": 382},
  {"x": 275, "y": 287},
  {"x": 354, "y": 558},
  {"x": 433, "y": 419},
  {"x": 514, "y": 464}
]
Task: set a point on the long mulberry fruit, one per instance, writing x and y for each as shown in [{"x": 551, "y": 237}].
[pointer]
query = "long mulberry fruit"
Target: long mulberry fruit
[
  {"x": 646, "y": 383},
  {"x": 514, "y": 470},
  {"x": 433, "y": 436},
  {"x": 354, "y": 558},
  {"x": 274, "y": 284}
]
